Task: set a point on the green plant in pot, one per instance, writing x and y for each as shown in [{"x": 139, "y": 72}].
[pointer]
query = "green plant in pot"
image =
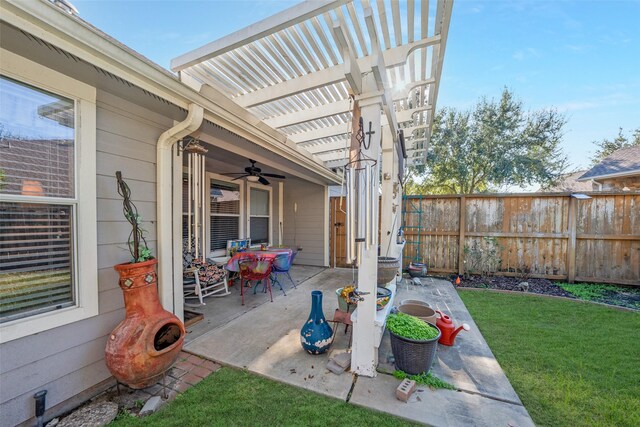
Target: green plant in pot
[{"x": 413, "y": 342}]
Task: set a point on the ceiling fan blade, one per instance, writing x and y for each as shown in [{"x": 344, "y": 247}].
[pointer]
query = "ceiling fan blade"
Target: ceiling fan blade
[
  {"x": 273, "y": 175},
  {"x": 233, "y": 173},
  {"x": 263, "y": 181},
  {"x": 240, "y": 177}
]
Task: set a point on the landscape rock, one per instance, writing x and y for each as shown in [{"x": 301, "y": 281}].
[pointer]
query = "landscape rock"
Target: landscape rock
[
  {"x": 96, "y": 414},
  {"x": 151, "y": 406}
]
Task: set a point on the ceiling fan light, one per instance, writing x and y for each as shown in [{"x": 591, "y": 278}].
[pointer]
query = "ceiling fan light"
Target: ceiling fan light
[{"x": 252, "y": 178}]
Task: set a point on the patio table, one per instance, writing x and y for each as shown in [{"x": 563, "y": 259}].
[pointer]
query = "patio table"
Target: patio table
[{"x": 270, "y": 254}]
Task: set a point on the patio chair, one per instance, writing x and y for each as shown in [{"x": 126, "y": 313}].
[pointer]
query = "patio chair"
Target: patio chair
[
  {"x": 255, "y": 268},
  {"x": 281, "y": 266},
  {"x": 201, "y": 279}
]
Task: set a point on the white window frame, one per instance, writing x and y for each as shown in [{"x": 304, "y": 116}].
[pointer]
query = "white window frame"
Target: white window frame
[
  {"x": 85, "y": 261},
  {"x": 265, "y": 188},
  {"x": 241, "y": 221}
]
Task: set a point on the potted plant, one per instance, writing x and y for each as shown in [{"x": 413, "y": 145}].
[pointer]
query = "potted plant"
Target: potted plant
[
  {"x": 147, "y": 342},
  {"x": 413, "y": 342}
]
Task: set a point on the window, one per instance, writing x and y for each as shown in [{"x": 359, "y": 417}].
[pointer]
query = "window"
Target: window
[
  {"x": 48, "y": 268},
  {"x": 259, "y": 214},
  {"x": 224, "y": 221}
]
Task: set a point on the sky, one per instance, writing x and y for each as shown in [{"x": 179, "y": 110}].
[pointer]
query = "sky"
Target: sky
[{"x": 581, "y": 58}]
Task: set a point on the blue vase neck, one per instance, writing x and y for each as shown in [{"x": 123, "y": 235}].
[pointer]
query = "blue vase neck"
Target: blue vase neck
[{"x": 316, "y": 306}]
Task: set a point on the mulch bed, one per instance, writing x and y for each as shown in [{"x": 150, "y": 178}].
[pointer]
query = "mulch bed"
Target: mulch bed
[
  {"x": 536, "y": 286},
  {"x": 622, "y": 296}
]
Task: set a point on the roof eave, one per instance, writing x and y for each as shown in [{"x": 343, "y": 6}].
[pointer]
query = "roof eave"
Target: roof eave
[
  {"x": 610, "y": 175},
  {"x": 48, "y": 22}
]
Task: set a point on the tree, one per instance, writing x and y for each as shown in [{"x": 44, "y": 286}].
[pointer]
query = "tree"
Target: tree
[
  {"x": 606, "y": 146},
  {"x": 496, "y": 144}
]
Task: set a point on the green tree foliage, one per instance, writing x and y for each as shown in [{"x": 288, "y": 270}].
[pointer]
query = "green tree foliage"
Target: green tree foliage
[
  {"x": 495, "y": 144},
  {"x": 608, "y": 146}
]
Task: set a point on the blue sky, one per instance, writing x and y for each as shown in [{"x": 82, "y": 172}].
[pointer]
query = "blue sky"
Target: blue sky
[{"x": 580, "y": 57}]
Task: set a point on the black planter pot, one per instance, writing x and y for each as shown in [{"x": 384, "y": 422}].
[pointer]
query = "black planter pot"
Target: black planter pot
[{"x": 411, "y": 356}]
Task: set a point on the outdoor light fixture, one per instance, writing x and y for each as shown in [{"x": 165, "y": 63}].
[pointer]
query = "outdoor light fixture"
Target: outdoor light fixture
[{"x": 580, "y": 196}]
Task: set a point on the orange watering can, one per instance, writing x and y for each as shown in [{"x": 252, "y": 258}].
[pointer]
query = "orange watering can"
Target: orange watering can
[{"x": 449, "y": 332}]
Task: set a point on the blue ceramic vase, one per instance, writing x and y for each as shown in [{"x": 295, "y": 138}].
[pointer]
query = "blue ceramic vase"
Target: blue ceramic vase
[{"x": 316, "y": 333}]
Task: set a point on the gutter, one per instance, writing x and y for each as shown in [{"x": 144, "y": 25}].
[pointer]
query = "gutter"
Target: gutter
[{"x": 167, "y": 234}]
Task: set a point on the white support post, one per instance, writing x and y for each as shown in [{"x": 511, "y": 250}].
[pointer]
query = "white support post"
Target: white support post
[{"x": 364, "y": 356}]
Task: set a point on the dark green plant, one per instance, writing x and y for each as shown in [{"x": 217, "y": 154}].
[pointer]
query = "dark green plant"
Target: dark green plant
[
  {"x": 410, "y": 327},
  {"x": 496, "y": 144},
  {"x": 137, "y": 244},
  {"x": 426, "y": 379}
]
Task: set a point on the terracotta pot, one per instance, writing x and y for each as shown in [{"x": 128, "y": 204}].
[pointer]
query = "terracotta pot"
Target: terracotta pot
[
  {"x": 147, "y": 342},
  {"x": 420, "y": 311}
]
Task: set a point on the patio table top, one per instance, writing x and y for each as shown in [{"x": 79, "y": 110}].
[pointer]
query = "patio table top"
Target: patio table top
[{"x": 270, "y": 254}]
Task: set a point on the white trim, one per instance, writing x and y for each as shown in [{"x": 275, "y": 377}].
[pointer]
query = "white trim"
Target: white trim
[
  {"x": 239, "y": 183},
  {"x": 611, "y": 175},
  {"x": 85, "y": 235},
  {"x": 248, "y": 219},
  {"x": 327, "y": 224},
  {"x": 280, "y": 212}
]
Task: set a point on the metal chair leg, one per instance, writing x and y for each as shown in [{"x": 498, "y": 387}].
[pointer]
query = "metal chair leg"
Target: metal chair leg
[{"x": 294, "y": 283}]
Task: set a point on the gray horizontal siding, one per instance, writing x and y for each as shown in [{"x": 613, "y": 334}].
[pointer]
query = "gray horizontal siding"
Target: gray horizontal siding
[
  {"x": 70, "y": 359},
  {"x": 306, "y": 228}
]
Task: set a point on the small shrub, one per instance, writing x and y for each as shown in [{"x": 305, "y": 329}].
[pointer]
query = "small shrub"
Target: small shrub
[
  {"x": 410, "y": 327},
  {"x": 483, "y": 257}
]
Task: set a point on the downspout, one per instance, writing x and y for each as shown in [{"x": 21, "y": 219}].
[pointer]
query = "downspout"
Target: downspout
[{"x": 164, "y": 203}]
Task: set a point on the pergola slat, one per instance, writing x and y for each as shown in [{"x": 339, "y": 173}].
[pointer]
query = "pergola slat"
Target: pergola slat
[
  {"x": 296, "y": 70},
  {"x": 356, "y": 25}
]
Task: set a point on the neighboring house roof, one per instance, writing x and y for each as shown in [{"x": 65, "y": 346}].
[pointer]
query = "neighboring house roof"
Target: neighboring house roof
[
  {"x": 569, "y": 182},
  {"x": 623, "y": 162}
]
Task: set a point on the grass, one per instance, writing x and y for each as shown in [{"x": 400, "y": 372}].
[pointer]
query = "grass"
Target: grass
[
  {"x": 599, "y": 292},
  {"x": 571, "y": 363},
  {"x": 230, "y": 397}
]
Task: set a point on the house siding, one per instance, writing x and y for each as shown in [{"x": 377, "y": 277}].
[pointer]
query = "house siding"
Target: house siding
[
  {"x": 69, "y": 359},
  {"x": 305, "y": 228}
]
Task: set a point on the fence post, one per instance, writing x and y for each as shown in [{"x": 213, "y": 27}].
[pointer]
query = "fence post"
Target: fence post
[
  {"x": 571, "y": 245},
  {"x": 462, "y": 225}
]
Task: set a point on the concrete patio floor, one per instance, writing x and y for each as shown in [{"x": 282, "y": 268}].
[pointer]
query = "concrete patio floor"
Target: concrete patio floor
[{"x": 263, "y": 337}]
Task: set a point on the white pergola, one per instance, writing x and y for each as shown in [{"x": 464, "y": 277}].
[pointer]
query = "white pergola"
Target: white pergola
[{"x": 302, "y": 70}]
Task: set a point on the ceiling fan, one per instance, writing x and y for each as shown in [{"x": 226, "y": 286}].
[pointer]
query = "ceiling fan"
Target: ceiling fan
[{"x": 255, "y": 174}]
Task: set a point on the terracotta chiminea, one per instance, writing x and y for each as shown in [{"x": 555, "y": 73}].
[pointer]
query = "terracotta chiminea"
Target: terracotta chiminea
[{"x": 147, "y": 342}]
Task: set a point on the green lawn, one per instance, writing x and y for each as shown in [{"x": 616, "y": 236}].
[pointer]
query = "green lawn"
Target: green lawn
[
  {"x": 230, "y": 397},
  {"x": 571, "y": 363}
]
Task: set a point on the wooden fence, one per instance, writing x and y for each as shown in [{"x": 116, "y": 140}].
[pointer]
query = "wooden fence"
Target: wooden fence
[{"x": 554, "y": 235}]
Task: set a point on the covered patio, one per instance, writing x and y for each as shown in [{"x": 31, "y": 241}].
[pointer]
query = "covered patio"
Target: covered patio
[
  {"x": 266, "y": 341},
  {"x": 352, "y": 86}
]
